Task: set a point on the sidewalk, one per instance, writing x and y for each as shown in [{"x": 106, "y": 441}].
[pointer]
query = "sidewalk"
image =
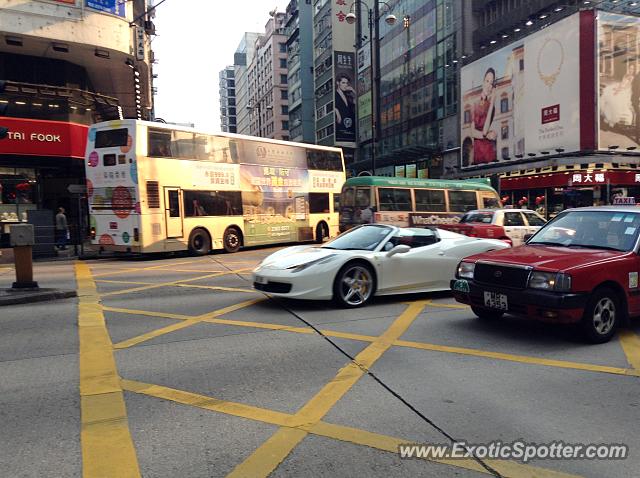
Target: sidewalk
[{"x": 55, "y": 278}]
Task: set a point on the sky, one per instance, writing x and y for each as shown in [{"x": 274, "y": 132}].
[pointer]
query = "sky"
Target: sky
[{"x": 195, "y": 40}]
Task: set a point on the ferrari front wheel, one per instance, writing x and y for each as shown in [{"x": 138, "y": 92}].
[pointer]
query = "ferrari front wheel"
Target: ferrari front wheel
[{"x": 354, "y": 285}]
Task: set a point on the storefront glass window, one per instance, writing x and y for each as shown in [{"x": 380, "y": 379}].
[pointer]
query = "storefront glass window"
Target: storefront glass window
[{"x": 18, "y": 193}]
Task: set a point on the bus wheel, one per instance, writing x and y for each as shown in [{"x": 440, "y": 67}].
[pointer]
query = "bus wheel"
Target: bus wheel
[
  {"x": 199, "y": 242},
  {"x": 232, "y": 240},
  {"x": 322, "y": 233}
]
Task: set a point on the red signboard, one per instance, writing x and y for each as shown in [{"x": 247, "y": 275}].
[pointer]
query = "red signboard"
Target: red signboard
[
  {"x": 43, "y": 138},
  {"x": 572, "y": 179},
  {"x": 550, "y": 114}
]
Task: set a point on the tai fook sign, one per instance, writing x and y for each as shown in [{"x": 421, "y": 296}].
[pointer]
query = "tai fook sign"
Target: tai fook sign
[
  {"x": 587, "y": 178},
  {"x": 42, "y": 137}
]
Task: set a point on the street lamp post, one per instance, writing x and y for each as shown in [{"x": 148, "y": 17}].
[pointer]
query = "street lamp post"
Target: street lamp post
[{"x": 374, "y": 47}]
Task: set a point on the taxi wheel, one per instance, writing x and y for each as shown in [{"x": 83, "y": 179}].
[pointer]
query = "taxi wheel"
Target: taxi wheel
[
  {"x": 355, "y": 285},
  {"x": 232, "y": 240},
  {"x": 601, "y": 316},
  {"x": 487, "y": 314},
  {"x": 199, "y": 242}
]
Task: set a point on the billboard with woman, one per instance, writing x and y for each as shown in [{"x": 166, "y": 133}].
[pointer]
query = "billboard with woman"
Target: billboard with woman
[{"x": 523, "y": 100}]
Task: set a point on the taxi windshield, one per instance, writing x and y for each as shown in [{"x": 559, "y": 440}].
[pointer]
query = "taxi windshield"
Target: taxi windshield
[
  {"x": 609, "y": 230},
  {"x": 365, "y": 238}
]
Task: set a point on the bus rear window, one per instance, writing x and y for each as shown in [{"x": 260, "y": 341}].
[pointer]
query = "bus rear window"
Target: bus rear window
[{"x": 112, "y": 138}]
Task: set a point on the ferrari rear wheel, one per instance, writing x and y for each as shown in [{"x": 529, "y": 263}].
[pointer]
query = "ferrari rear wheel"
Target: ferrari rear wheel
[{"x": 354, "y": 285}]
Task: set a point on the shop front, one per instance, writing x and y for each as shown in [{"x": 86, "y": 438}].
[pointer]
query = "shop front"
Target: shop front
[
  {"x": 550, "y": 193},
  {"x": 38, "y": 161}
]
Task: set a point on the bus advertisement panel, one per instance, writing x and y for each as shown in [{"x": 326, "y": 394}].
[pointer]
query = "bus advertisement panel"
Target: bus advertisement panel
[{"x": 155, "y": 188}]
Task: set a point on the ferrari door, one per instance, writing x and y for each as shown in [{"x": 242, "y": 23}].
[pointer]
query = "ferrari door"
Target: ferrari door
[{"x": 422, "y": 268}]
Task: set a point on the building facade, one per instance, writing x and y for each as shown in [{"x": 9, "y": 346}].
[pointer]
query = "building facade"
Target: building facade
[
  {"x": 551, "y": 102},
  {"x": 334, "y": 76},
  {"x": 241, "y": 61},
  {"x": 227, "y": 93},
  {"x": 299, "y": 27},
  {"x": 417, "y": 85},
  {"x": 267, "y": 80},
  {"x": 63, "y": 66}
]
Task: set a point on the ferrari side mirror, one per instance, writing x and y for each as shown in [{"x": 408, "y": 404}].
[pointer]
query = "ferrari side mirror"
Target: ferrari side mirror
[{"x": 399, "y": 249}]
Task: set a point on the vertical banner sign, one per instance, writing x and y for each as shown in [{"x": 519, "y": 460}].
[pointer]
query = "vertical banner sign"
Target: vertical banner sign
[
  {"x": 139, "y": 44},
  {"x": 345, "y": 97}
]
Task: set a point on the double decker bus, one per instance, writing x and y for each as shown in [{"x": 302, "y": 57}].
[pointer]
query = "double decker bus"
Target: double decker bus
[
  {"x": 155, "y": 187},
  {"x": 409, "y": 202}
]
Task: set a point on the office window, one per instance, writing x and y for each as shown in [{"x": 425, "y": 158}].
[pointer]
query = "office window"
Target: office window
[
  {"x": 284, "y": 94},
  {"x": 283, "y": 79},
  {"x": 283, "y": 62},
  {"x": 285, "y": 109},
  {"x": 285, "y": 125},
  {"x": 283, "y": 47}
]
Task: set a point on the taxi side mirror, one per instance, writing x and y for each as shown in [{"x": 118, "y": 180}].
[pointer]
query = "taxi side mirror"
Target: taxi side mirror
[{"x": 399, "y": 249}]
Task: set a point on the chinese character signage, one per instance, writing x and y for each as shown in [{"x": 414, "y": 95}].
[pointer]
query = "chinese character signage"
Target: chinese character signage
[
  {"x": 217, "y": 176},
  {"x": 588, "y": 178},
  {"x": 523, "y": 98},
  {"x": 114, "y": 7},
  {"x": 322, "y": 181},
  {"x": 345, "y": 97}
]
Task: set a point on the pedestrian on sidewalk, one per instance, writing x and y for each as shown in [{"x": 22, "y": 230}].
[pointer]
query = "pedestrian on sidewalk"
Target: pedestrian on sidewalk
[{"x": 62, "y": 229}]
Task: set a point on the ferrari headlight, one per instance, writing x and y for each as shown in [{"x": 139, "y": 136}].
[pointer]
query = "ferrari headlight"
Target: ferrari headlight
[
  {"x": 306, "y": 265},
  {"x": 465, "y": 270},
  {"x": 550, "y": 281}
]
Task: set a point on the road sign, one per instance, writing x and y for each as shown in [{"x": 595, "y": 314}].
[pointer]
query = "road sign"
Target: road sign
[{"x": 77, "y": 188}]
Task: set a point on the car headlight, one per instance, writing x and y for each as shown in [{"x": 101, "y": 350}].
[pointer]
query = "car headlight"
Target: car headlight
[
  {"x": 557, "y": 281},
  {"x": 306, "y": 265},
  {"x": 465, "y": 270}
]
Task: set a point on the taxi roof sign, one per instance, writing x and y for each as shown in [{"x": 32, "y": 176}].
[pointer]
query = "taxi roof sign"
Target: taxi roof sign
[{"x": 624, "y": 201}]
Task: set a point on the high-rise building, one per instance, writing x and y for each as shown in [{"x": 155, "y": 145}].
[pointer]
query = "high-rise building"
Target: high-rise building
[
  {"x": 267, "y": 78},
  {"x": 65, "y": 64},
  {"x": 417, "y": 132},
  {"x": 334, "y": 76},
  {"x": 241, "y": 61},
  {"x": 299, "y": 27},
  {"x": 227, "y": 90}
]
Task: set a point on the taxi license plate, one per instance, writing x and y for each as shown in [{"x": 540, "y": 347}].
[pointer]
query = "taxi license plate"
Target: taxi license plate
[
  {"x": 495, "y": 300},
  {"x": 260, "y": 280}
]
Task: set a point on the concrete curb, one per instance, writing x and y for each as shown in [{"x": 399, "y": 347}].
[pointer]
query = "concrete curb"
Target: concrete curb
[{"x": 13, "y": 297}]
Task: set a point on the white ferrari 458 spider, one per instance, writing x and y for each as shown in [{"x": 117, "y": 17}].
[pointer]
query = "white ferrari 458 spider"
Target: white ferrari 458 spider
[{"x": 366, "y": 261}]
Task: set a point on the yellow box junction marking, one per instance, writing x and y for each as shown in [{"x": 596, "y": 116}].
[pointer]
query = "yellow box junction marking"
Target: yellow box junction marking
[
  {"x": 187, "y": 323},
  {"x": 168, "y": 284},
  {"x": 630, "y": 343},
  {"x": 337, "y": 432},
  {"x": 525, "y": 359},
  {"x": 268, "y": 456},
  {"x": 107, "y": 447},
  {"x": 124, "y": 270}
]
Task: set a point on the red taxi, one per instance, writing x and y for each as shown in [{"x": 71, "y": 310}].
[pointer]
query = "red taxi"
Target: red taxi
[
  {"x": 509, "y": 225},
  {"x": 581, "y": 267}
]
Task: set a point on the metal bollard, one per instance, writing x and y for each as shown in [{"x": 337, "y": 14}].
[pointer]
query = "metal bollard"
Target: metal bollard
[{"x": 22, "y": 240}]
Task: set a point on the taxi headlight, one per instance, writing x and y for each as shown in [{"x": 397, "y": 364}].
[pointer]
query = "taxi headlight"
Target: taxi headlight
[
  {"x": 559, "y": 281},
  {"x": 465, "y": 270}
]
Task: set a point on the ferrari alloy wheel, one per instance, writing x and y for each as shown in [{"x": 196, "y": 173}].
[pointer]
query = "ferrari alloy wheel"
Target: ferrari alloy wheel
[
  {"x": 354, "y": 285},
  {"x": 601, "y": 316}
]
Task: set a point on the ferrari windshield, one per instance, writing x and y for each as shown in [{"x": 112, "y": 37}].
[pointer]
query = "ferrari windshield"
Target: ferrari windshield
[
  {"x": 365, "y": 238},
  {"x": 610, "y": 230}
]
